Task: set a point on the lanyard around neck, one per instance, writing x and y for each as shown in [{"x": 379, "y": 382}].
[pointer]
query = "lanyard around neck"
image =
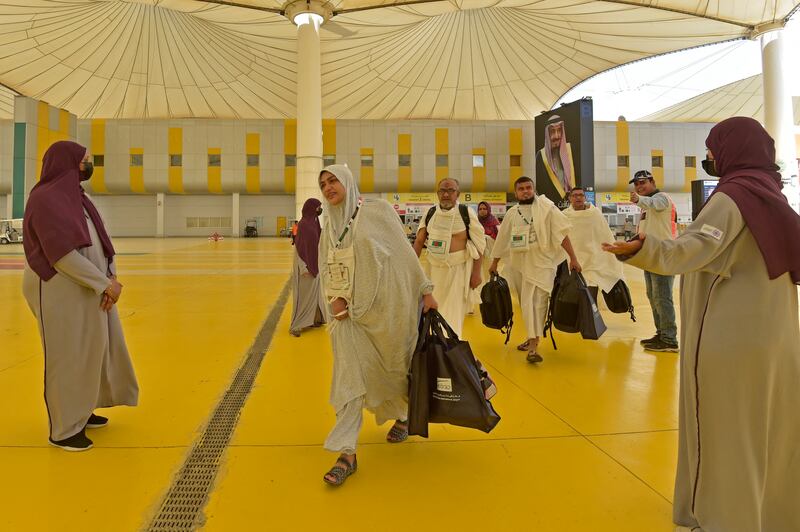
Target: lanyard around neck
[
  {"x": 528, "y": 222},
  {"x": 349, "y": 223}
]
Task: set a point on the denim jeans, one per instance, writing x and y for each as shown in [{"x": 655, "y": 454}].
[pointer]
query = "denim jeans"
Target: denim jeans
[{"x": 659, "y": 292}]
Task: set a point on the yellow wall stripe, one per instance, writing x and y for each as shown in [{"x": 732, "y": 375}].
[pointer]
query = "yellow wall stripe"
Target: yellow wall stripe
[
  {"x": 658, "y": 172},
  {"x": 514, "y": 148},
  {"x": 367, "y": 180},
  {"x": 478, "y": 172},
  {"x": 42, "y": 135},
  {"x": 136, "y": 173},
  {"x": 404, "y": 172},
  {"x": 442, "y": 148},
  {"x": 214, "y": 173},
  {"x": 63, "y": 125},
  {"x": 97, "y": 146},
  {"x": 175, "y": 173},
  {"x": 290, "y": 148},
  {"x": 689, "y": 175},
  {"x": 253, "y": 173},
  {"x": 623, "y": 149}
]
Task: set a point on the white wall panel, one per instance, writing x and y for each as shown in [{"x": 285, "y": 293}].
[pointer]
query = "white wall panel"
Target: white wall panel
[
  {"x": 178, "y": 208},
  {"x": 267, "y": 209},
  {"x": 128, "y": 215}
]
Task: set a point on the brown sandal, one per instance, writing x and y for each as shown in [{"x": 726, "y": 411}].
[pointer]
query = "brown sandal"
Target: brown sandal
[
  {"x": 534, "y": 357},
  {"x": 340, "y": 472},
  {"x": 398, "y": 434},
  {"x": 523, "y": 346}
]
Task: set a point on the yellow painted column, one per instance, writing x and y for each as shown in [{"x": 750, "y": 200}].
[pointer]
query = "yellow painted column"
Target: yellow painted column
[
  {"x": 689, "y": 172},
  {"x": 97, "y": 145},
  {"x": 175, "y": 169},
  {"x": 63, "y": 125},
  {"x": 136, "y": 170},
  {"x": 253, "y": 163},
  {"x": 623, "y": 155},
  {"x": 515, "y": 156},
  {"x": 442, "y": 154},
  {"x": 479, "y": 172},
  {"x": 290, "y": 156},
  {"x": 404, "y": 162},
  {"x": 367, "y": 180},
  {"x": 657, "y": 159},
  {"x": 215, "y": 170},
  {"x": 328, "y": 142}
]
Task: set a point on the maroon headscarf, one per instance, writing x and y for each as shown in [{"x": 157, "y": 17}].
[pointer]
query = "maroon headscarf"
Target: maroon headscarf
[
  {"x": 744, "y": 156},
  {"x": 489, "y": 223},
  {"x": 308, "y": 231},
  {"x": 54, "y": 222}
]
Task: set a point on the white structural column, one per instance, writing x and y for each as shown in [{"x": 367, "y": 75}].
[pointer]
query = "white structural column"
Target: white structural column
[
  {"x": 9, "y": 205},
  {"x": 235, "y": 216},
  {"x": 309, "y": 106},
  {"x": 778, "y": 116},
  {"x": 160, "y": 200}
]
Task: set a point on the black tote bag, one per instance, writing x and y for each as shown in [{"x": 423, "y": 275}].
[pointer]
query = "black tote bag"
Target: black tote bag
[
  {"x": 444, "y": 381},
  {"x": 590, "y": 321}
]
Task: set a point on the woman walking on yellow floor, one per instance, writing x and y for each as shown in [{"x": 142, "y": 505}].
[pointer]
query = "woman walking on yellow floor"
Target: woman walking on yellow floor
[
  {"x": 307, "y": 310},
  {"x": 375, "y": 285},
  {"x": 70, "y": 285},
  {"x": 738, "y": 459}
]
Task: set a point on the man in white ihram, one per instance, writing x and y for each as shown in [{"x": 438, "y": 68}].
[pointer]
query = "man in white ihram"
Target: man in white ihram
[
  {"x": 533, "y": 238},
  {"x": 455, "y": 252}
]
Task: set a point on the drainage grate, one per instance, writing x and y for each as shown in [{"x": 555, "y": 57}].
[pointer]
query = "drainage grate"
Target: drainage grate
[{"x": 182, "y": 506}]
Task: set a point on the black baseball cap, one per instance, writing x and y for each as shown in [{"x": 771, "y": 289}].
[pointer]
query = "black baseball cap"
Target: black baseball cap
[{"x": 641, "y": 174}]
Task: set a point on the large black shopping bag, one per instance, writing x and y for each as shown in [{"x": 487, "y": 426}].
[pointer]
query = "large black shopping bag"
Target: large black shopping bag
[
  {"x": 418, "y": 379},
  {"x": 591, "y": 322},
  {"x": 456, "y": 394}
]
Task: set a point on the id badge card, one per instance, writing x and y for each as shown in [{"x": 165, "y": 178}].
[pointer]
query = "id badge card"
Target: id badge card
[
  {"x": 338, "y": 276},
  {"x": 519, "y": 239},
  {"x": 437, "y": 246}
]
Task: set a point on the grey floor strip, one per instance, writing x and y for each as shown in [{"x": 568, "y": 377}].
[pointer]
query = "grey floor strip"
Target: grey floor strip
[{"x": 182, "y": 507}]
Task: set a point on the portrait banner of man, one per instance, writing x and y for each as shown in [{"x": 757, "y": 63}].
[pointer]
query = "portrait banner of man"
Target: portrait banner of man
[{"x": 565, "y": 150}]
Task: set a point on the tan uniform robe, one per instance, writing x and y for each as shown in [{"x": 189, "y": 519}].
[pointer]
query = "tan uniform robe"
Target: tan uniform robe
[
  {"x": 739, "y": 457},
  {"x": 87, "y": 364},
  {"x": 308, "y": 301}
]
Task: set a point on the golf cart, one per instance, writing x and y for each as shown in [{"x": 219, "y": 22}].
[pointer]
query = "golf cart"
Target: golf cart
[
  {"x": 10, "y": 231},
  {"x": 251, "y": 228}
]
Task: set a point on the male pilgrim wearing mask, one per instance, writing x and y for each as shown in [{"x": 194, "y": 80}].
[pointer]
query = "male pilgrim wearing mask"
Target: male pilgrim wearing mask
[{"x": 455, "y": 252}]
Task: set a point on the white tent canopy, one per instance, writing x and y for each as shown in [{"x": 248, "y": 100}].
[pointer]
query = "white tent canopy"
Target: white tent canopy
[
  {"x": 472, "y": 59},
  {"x": 741, "y": 98}
]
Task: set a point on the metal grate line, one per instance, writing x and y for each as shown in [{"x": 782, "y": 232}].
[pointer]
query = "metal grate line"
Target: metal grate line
[{"x": 182, "y": 506}]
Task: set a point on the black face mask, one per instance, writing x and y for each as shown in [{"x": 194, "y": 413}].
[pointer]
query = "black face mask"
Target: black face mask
[
  {"x": 710, "y": 167},
  {"x": 319, "y": 211},
  {"x": 88, "y": 170}
]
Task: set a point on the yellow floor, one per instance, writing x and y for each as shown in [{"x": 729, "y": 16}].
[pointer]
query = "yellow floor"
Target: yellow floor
[{"x": 587, "y": 441}]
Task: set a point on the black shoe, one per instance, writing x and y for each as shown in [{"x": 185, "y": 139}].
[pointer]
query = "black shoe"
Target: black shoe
[
  {"x": 650, "y": 340},
  {"x": 96, "y": 422},
  {"x": 662, "y": 346},
  {"x": 76, "y": 443}
]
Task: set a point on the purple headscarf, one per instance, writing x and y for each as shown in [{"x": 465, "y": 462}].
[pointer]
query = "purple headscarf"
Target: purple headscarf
[
  {"x": 744, "y": 157},
  {"x": 54, "y": 223},
  {"x": 308, "y": 231},
  {"x": 489, "y": 223}
]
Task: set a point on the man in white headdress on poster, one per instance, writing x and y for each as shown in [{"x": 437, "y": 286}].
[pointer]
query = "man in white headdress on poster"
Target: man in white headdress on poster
[{"x": 556, "y": 157}]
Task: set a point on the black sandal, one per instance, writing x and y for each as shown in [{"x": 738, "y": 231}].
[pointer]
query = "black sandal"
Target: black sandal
[
  {"x": 397, "y": 434},
  {"x": 340, "y": 473},
  {"x": 523, "y": 346}
]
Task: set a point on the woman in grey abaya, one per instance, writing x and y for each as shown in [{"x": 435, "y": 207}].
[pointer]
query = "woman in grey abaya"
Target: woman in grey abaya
[
  {"x": 308, "y": 303},
  {"x": 71, "y": 287}
]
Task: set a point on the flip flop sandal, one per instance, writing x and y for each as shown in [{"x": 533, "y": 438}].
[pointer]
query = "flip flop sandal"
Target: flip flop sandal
[
  {"x": 340, "y": 472},
  {"x": 397, "y": 434},
  {"x": 523, "y": 346},
  {"x": 533, "y": 357}
]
